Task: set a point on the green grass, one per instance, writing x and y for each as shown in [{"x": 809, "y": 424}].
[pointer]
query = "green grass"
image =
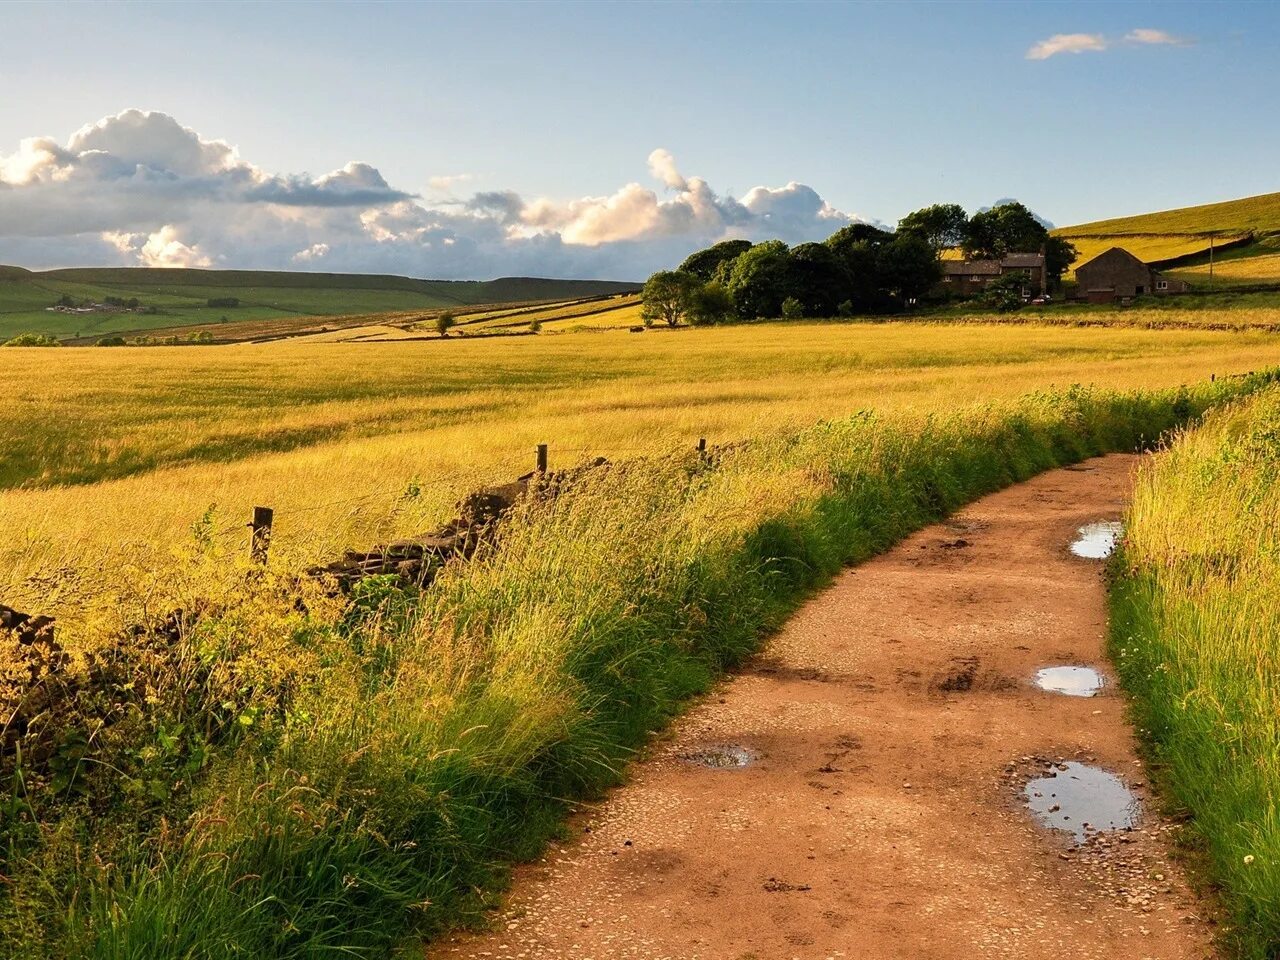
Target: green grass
[
  {"x": 180, "y": 296},
  {"x": 400, "y": 754},
  {"x": 1260, "y": 214},
  {"x": 1196, "y": 638},
  {"x": 1186, "y": 232}
]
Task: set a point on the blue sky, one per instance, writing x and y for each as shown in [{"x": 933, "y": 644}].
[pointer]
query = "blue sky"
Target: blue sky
[{"x": 878, "y": 108}]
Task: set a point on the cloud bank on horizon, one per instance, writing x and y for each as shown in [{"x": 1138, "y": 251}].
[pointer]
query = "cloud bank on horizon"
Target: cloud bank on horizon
[{"x": 140, "y": 189}]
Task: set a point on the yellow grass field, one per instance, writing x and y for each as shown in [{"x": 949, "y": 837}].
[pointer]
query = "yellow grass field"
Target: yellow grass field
[{"x": 113, "y": 457}]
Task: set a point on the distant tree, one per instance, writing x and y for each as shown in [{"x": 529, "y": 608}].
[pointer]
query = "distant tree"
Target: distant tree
[
  {"x": 224, "y": 302},
  {"x": 857, "y": 233},
  {"x": 1004, "y": 293},
  {"x": 761, "y": 279},
  {"x": 65, "y": 301},
  {"x": 113, "y": 341},
  {"x": 201, "y": 336},
  {"x": 1059, "y": 254},
  {"x": 1007, "y": 228},
  {"x": 909, "y": 266},
  {"x": 665, "y": 296},
  {"x": 704, "y": 263},
  {"x": 444, "y": 323},
  {"x": 792, "y": 309},
  {"x": 845, "y": 309},
  {"x": 942, "y": 226},
  {"x": 32, "y": 340},
  {"x": 535, "y": 326},
  {"x": 820, "y": 278},
  {"x": 709, "y": 303}
]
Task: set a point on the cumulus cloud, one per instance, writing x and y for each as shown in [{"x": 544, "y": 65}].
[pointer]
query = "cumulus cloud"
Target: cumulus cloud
[
  {"x": 139, "y": 188},
  {"x": 1066, "y": 43},
  {"x": 1158, "y": 37}
]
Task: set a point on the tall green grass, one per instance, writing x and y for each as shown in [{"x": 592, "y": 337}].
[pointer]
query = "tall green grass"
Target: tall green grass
[
  {"x": 422, "y": 743},
  {"x": 1196, "y": 637}
]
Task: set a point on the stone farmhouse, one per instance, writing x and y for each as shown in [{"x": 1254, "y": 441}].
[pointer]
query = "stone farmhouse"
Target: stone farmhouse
[
  {"x": 1118, "y": 275},
  {"x": 966, "y": 278}
]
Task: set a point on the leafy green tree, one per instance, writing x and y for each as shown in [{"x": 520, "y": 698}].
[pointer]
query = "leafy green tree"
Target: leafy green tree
[
  {"x": 855, "y": 234},
  {"x": 704, "y": 263},
  {"x": 1059, "y": 254},
  {"x": 709, "y": 303},
  {"x": 444, "y": 323},
  {"x": 761, "y": 279},
  {"x": 666, "y": 296},
  {"x": 942, "y": 226},
  {"x": 909, "y": 266},
  {"x": 820, "y": 278},
  {"x": 1007, "y": 228},
  {"x": 792, "y": 309},
  {"x": 1004, "y": 293}
]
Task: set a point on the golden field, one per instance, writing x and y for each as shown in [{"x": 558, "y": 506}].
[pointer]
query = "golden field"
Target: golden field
[{"x": 111, "y": 456}]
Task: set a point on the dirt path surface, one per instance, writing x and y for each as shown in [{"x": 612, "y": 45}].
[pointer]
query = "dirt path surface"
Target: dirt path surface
[{"x": 892, "y": 727}]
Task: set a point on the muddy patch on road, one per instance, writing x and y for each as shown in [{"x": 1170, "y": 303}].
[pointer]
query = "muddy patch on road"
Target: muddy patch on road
[
  {"x": 1070, "y": 681},
  {"x": 1097, "y": 541},
  {"x": 1082, "y": 800},
  {"x": 731, "y": 756}
]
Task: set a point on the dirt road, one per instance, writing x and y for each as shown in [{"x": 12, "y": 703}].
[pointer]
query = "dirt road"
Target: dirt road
[{"x": 889, "y": 732}]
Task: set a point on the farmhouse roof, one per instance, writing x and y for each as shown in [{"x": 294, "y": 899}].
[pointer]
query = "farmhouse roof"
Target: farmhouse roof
[
  {"x": 1112, "y": 253},
  {"x": 971, "y": 268},
  {"x": 1023, "y": 260}
]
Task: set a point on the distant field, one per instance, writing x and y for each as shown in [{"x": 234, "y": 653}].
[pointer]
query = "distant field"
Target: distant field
[
  {"x": 179, "y": 297},
  {"x": 1259, "y": 215},
  {"x": 1188, "y": 231},
  {"x": 110, "y": 456}
]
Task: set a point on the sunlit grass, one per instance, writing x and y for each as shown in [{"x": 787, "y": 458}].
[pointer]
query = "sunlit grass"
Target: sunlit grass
[
  {"x": 1196, "y": 635},
  {"x": 112, "y": 455}
]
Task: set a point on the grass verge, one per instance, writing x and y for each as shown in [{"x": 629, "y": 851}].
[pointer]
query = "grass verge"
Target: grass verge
[
  {"x": 296, "y": 781},
  {"x": 1196, "y": 639}
]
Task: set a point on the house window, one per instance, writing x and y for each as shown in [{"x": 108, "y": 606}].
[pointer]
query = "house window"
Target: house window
[
  {"x": 1162, "y": 284},
  {"x": 947, "y": 278}
]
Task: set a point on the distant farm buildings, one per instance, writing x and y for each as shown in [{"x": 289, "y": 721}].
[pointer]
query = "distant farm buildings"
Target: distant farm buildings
[
  {"x": 965, "y": 278},
  {"x": 1118, "y": 275}
]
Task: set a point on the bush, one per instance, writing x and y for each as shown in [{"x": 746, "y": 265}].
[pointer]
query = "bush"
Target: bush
[
  {"x": 112, "y": 341},
  {"x": 792, "y": 309},
  {"x": 32, "y": 340},
  {"x": 224, "y": 302},
  {"x": 1004, "y": 294},
  {"x": 444, "y": 323}
]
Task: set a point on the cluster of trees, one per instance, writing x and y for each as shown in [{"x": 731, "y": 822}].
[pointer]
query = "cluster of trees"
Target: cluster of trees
[
  {"x": 32, "y": 340},
  {"x": 859, "y": 269},
  {"x": 224, "y": 301}
]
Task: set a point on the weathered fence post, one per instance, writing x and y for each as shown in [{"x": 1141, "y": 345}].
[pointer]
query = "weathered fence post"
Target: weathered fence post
[
  {"x": 260, "y": 534},
  {"x": 702, "y": 447},
  {"x": 542, "y": 458}
]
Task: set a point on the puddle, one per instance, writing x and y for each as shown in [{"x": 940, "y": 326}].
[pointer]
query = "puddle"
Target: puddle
[
  {"x": 1097, "y": 541},
  {"x": 1071, "y": 681},
  {"x": 1082, "y": 800},
  {"x": 732, "y": 757}
]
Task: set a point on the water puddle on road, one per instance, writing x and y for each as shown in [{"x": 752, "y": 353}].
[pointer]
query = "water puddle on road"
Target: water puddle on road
[
  {"x": 1070, "y": 681},
  {"x": 1097, "y": 541},
  {"x": 730, "y": 757},
  {"x": 1081, "y": 800}
]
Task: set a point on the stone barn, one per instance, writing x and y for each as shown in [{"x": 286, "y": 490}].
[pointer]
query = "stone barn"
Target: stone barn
[{"x": 1119, "y": 275}]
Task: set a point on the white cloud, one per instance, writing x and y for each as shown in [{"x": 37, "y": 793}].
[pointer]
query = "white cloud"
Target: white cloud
[
  {"x": 140, "y": 188},
  {"x": 164, "y": 249},
  {"x": 1066, "y": 43},
  {"x": 1148, "y": 35}
]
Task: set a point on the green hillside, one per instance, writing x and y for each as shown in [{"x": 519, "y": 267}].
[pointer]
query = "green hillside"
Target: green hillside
[
  {"x": 176, "y": 297},
  {"x": 1256, "y": 215},
  {"x": 1245, "y": 234}
]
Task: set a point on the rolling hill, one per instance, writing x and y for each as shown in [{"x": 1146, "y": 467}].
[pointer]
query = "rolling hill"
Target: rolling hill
[
  {"x": 175, "y": 298},
  {"x": 1245, "y": 234}
]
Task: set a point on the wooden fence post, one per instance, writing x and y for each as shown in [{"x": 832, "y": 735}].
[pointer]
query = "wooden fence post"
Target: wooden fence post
[
  {"x": 542, "y": 458},
  {"x": 702, "y": 446},
  {"x": 260, "y": 534}
]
